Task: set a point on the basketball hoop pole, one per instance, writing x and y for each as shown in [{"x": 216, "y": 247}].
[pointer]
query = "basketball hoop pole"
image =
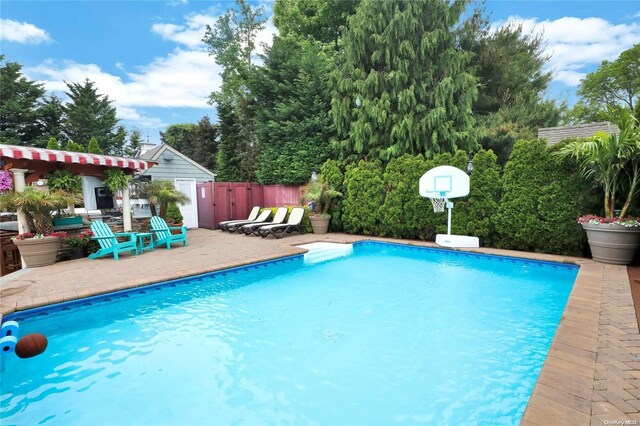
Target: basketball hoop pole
[{"x": 449, "y": 205}]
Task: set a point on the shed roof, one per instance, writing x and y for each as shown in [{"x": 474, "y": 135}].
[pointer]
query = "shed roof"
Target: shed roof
[
  {"x": 554, "y": 135},
  {"x": 155, "y": 153}
]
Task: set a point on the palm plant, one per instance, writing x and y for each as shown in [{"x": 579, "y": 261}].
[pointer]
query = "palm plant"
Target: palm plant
[
  {"x": 68, "y": 185},
  {"x": 161, "y": 193},
  {"x": 613, "y": 161},
  {"x": 36, "y": 205},
  {"x": 321, "y": 194}
]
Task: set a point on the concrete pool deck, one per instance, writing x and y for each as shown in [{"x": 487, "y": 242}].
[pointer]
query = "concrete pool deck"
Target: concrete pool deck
[{"x": 591, "y": 375}]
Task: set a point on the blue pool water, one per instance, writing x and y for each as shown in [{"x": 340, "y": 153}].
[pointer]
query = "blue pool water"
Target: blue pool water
[{"x": 391, "y": 334}]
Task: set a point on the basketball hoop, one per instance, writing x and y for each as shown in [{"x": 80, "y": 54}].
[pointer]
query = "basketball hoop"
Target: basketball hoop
[{"x": 438, "y": 204}]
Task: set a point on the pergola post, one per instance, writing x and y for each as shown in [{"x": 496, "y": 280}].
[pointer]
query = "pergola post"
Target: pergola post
[
  {"x": 126, "y": 210},
  {"x": 19, "y": 185}
]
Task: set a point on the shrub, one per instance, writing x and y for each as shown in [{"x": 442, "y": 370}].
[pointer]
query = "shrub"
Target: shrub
[
  {"x": 94, "y": 147},
  {"x": 173, "y": 213},
  {"x": 541, "y": 200},
  {"x": 404, "y": 213},
  {"x": 364, "y": 195},
  {"x": 333, "y": 175},
  {"x": 53, "y": 143},
  {"x": 484, "y": 197}
]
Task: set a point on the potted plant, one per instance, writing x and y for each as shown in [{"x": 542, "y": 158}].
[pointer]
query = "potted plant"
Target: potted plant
[
  {"x": 613, "y": 161},
  {"x": 70, "y": 186},
  {"x": 321, "y": 195},
  {"x": 39, "y": 246},
  {"x": 160, "y": 193},
  {"x": 173, "y": 216},
  {"x": 81, "y": 244}
]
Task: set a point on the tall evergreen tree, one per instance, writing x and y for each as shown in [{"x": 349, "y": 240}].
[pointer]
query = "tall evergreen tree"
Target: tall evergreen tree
[
  {"x": 292, "y": 112},
  {"x": 206, "y": 143},
  {"x": 133, "y": 147},
  {"x": 232, "y": 42},
  {"x": 51, "y": 119},
  {"x": 404, "y": 86},
  {"x": 90, "y": 114},
  {"x": 319, "y": 20},
  {"x": 19, "y": 98},
  {"x": 180, "y": 137}
]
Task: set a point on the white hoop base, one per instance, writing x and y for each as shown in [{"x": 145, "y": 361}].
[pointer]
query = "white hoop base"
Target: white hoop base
[{"x": 463, "y": 241}]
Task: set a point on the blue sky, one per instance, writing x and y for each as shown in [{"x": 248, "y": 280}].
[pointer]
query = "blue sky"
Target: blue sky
[{"x": 147, "y": 55}]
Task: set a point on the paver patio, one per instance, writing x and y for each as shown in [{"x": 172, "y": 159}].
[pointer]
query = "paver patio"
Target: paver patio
[{"x": 591, "y": 374}]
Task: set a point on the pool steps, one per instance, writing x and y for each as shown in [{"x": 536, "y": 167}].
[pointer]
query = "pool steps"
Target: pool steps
[{"x": 322, "y": 252}]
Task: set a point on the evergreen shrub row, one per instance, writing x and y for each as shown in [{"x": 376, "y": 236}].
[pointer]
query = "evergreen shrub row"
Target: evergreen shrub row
[{"x": 532, "y": 205}]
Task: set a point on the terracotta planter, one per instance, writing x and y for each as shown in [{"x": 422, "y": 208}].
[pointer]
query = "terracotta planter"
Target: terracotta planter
[
  {"x": 320, "y": 224},
  {"x": 176, "y": 231},
  {"x": 38, "y": 252},
  {"x": 612, "y": 243}
]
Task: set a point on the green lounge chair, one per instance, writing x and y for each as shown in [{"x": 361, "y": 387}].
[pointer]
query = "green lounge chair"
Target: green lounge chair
[
  {"x": 163, "y": 235},
  {"x": 278, "y": 218},
  {"x": 252, "y": 216},
  {"x": 262, "y": 217},
  {"x": 108, "y": 242},
  {"x": 294, "y": 223}
]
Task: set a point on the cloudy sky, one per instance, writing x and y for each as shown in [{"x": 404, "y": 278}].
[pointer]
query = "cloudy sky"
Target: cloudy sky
[{"x": 149, "y": 58}]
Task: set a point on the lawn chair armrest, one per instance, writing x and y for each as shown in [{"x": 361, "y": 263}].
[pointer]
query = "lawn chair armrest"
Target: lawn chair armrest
[
  {"x": 123, "y": 234},
  {"x": 177, "y": 227},
  {"x": 102, "y": 238}
]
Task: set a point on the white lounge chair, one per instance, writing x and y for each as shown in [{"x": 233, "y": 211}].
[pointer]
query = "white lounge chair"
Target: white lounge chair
[{"x": 293, "y": 224}]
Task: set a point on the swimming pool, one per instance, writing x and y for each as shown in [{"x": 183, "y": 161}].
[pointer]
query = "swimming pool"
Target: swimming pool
[{"x": 388, "y": 334}]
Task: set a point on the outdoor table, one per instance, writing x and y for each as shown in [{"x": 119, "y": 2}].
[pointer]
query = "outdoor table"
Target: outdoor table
[{"x": 141, "y": 236}]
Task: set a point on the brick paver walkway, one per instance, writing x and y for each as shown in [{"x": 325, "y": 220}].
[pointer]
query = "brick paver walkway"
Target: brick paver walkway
[{"x": 591, "y": 374}]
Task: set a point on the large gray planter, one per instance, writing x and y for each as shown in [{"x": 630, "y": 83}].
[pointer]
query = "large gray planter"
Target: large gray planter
[
  {"x": 320, "y": 224},
  {"x": 38, "y": 252},
  {"x": 612, "y": 243}
]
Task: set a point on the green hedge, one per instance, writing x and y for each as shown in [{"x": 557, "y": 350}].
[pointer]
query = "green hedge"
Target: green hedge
[
  {"x": 533, "y": 206},
  {"x": 332, "y": 174},
  {"x": 364, "y": 194},
  {"x": 542, "y": 197}
]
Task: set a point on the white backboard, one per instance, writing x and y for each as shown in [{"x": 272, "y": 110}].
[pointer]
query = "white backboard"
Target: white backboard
[{"x": 444, "y": 182}]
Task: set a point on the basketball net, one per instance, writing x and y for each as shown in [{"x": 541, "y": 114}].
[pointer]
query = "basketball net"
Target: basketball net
[{"x": 438, "y": 204}]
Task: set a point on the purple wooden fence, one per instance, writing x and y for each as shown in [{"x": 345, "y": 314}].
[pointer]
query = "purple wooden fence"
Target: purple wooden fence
[
  {"x": 280, "y": 195},
  {"x": 233, "y": 200}
]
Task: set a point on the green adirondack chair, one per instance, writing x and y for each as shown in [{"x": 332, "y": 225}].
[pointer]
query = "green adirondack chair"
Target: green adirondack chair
[
  {"x": 163, "y": 235},
  {"x": 109, "y": 244}
]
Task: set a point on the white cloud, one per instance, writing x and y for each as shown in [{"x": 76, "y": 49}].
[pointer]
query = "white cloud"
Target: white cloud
[
  {"x": 575, "y": 45},
  {"x": 190, "y": 34},
  {"x": 22, "y": 32},
  {"x": 181, "y": 79}
]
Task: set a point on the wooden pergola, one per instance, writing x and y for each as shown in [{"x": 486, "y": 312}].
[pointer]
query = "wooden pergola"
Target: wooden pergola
[{"x": 28, "y": 165}]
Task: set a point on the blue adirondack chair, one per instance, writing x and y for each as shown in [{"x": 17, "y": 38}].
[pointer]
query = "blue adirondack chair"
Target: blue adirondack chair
[
  {"x": 108, "y": 242},
  {"x": 163, "y": 235}
]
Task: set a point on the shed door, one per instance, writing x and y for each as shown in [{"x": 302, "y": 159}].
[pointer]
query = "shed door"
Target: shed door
[
  {"x": 205, "y": 205},
  {"x": 190, "y": 209}
]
